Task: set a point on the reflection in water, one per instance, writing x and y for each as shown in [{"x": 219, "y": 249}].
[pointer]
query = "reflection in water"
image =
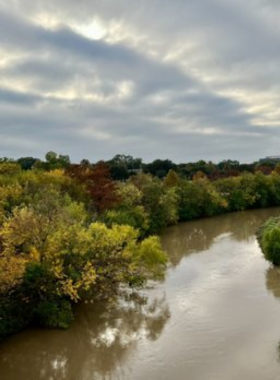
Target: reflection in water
[
  {"x": 101, "y": 339},
  {"x": 199, "y": 235},
  {"x": 273, "y": 281},
  {"x": 273, "y": 285}
]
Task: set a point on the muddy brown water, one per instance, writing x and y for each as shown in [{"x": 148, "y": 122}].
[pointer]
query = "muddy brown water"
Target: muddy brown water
[{"x": 215, "y": 316}]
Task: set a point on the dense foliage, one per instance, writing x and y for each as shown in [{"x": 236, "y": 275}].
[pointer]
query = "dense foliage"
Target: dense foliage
[
  {"x": 71, "y": 231},
  {"x": 55, "y": 248},
  {"x": 269, "y": 240}
]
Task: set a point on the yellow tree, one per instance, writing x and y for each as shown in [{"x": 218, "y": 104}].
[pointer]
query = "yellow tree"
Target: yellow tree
[{"x": 172, "y": 179}]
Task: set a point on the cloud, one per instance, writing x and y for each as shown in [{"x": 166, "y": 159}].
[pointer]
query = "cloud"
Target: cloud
[{"x": 179, "y": 80}]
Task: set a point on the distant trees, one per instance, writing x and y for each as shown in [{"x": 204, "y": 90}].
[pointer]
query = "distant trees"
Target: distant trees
[
  {"x": 188, "y": 170},
  {"x": 159, "y": 168},
  {"x": 54, "y": 161},
  {"x": 27, "y": 163},
  {"x": 122, "y": 166}
]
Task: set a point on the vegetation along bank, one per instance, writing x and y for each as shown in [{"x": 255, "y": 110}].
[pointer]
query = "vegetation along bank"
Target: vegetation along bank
[{"x": 69, "y": 232}]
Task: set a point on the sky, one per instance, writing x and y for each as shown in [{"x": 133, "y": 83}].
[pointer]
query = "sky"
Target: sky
[{"x": 171, "y": 79}]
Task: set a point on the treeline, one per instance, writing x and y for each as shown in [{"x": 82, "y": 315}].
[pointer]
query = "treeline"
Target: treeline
[
  {"x": 123, "y": 166},
  {"x": 70, "y": 231}
]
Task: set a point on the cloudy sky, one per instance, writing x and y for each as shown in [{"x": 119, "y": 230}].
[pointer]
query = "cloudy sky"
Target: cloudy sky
[{"x": 177, "y": 79}]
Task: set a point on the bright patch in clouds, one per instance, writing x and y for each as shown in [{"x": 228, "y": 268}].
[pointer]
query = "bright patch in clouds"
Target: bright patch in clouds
[{"x": 94, "y": 30}]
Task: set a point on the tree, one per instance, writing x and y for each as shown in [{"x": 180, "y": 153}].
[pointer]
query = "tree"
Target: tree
[
  {"x": 27, "y": 163},
  {"x": 159, "y": 202},
  {"x": 172, "y": 179},
  {"x": 102, "y": 188},
  {"x": 122, "y": 166},
  {"x": 51, "y": 258},
  {"x": 198, "y": 199},
  {"x": 129, "y": 210},
  {"x": 53, "y": 161},
  {"x": 199, "y": 176},
  {"x": 239, "y": 192},
  {"x": 160, "y": 168},
  {"x": 277, "y": 168},
  {"x": 98, "y": 183}
]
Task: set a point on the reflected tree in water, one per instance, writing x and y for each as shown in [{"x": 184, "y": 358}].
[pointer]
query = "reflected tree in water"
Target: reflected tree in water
[
  {"x": 273, "y": 285},
  {"x": 273, "y": 281},
  {"x": 97, "y": 346}
]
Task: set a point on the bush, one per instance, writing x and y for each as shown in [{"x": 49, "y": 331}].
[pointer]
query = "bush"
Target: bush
[
  {"x": 269, "y": 240},
  {"x": 15, "y": 314},
  {"x": 54, "y": 313}
]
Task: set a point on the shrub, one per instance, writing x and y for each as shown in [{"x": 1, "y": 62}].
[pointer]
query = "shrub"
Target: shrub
[
  {"x": 54, "y": 313},
  {"x": 15, "y": 314},
  {"x": 269, "y": 240}
]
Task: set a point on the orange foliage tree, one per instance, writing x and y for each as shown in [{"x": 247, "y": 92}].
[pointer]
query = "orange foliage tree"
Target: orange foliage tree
[{"x": 98, "y": 184}]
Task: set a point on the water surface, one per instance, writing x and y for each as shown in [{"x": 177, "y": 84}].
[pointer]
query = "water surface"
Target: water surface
[{"x": 216, "y": 316}]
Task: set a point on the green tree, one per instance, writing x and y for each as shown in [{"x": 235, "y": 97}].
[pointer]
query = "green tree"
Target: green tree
[
  {"x": 269, "y": 240},
  {"x": 27, "y": 163},
  {"x": 159, "y": 202},
  {"x": 198, "y": 199},
  {"x": 160, "y": 168},
  {"x": 239, "y": 192},
  {"x": 129, "y": 210}
]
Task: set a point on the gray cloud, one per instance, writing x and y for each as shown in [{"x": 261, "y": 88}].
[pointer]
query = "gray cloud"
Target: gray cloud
[{"x": 179, "y": 80}]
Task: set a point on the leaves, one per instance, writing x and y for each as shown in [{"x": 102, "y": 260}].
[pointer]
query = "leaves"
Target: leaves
[
  {"x": 51, "y": 254},
  {"x": 98, "y": 183},
  {"x": 269, "y": 240}
]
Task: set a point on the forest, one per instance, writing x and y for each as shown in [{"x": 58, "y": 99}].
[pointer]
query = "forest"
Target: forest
[{"x": 73, "y": 232}]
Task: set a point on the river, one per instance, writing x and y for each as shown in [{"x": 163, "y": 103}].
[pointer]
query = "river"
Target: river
[{"x": 215, "y": 316}]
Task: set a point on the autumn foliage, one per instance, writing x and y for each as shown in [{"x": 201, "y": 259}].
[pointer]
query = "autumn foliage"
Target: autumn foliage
[
  {"x": 68, "y": 232},
  {"x": 55, "y": 252},
  {"x": 97, "y": 182}
]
